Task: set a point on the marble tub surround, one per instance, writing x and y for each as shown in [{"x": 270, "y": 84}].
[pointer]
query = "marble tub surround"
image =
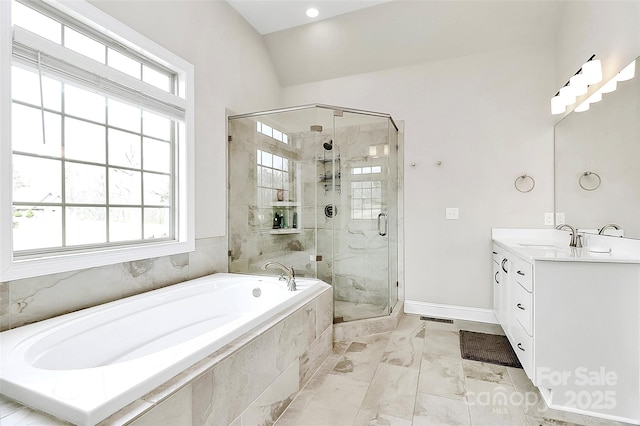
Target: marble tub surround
[
  {"x": 29, "y": 300},
  {"x": 250, "y": 381},
  {"x": 414, "y": 376},
  {"x": 345, "y": 331},
  {"x": 553, "y": 244}
]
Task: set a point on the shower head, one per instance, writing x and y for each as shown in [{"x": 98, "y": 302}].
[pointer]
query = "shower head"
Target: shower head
[{"x": 328, "y": 145}]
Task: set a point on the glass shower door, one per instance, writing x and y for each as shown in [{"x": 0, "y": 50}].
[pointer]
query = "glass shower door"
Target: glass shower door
[{"x": 362, "y": 227}]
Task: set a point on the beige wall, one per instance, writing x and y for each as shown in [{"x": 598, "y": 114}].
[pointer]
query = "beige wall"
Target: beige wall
[{"x": 486, "y": 118}]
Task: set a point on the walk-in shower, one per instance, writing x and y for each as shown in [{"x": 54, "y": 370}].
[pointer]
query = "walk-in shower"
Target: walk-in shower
[{"x": 316, "y": 187}]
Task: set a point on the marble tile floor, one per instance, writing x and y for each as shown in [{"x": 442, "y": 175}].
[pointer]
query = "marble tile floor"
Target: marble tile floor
[
  {"x": 351, "y": 311},
  {"x": 415, "y": 376}
]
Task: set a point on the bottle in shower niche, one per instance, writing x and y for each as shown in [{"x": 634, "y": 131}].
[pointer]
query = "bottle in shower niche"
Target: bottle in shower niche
[
  {"x": 294, "y": 221},
  {"x": 277, "y": 220}
]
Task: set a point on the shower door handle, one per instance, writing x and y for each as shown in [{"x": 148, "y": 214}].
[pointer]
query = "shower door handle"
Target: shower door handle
[{"x": 386, "y": 224}]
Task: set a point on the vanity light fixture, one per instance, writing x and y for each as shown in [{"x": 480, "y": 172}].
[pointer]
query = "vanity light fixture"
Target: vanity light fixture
[
  {"x": 592, "y": 69},
  {"x": 596, "y": 97},
  {"x": 567, "y": 95},
  {"x": 627, "y": 72},
  {"x": 558, "y": 106},
  {"x": 312, "y": 12},
  {"x": 578, "y": 85},
  {"x": 610, "y": 86},
  {"x": 584, "y": 106}
]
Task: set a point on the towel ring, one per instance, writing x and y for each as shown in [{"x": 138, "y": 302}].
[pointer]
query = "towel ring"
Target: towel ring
[
  {"x": 586, "y": 174},
  {"x": 524, "y": 183}
]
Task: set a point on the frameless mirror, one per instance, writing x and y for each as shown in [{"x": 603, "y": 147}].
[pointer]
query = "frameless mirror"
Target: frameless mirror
[{"x": 597, "y": 170}]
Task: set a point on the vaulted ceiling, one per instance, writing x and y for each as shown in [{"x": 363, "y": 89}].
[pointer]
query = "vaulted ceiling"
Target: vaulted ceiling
[{"x": 384, "y": 35}]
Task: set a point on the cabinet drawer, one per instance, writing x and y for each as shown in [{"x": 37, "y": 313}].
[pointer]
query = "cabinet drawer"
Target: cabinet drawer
[
  {"x": 523, "y": 347},
  {"x": 523, "y": 307},
  {"x": 523, "y": 271}
]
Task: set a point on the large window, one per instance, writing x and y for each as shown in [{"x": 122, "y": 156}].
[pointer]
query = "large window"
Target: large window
[
  {"x": 366, "y": 192},
  {"x": 272, "y": 177},
  {"x": 101, "y": 142}
]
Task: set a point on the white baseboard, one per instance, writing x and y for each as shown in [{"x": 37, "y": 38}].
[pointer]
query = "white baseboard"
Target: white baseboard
[{"x": 438, "y": 310}]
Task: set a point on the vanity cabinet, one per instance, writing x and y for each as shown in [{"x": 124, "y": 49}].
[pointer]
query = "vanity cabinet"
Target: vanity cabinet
[{"x": 575, "y": 327}]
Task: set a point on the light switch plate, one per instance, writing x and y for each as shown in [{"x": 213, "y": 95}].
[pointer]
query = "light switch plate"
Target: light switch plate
[
  {"x": 451, "y": 213},
  {"x": 548, "y": 218},
  {"x": 560, "y": 218}
]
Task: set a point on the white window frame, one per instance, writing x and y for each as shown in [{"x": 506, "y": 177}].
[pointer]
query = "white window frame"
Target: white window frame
[{"x": 12, "y": 268}]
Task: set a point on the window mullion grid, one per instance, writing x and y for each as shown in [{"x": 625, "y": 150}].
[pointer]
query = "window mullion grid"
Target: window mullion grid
[
  {"x": 90, "y": 74},
  {"x": 106, "y": 171},
  {"x": 173, "y": 214},
  {"x": 142, "y": 167},
  {"x": 63, "y": 165},
  {"x": 63, "y": 160},
  {"x": 90, "y": 32}
]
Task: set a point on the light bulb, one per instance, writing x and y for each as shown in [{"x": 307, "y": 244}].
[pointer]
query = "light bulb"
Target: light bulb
[
  {"x": 610, "y": 86},
  {"x": 312, "y": 12},
  {"x": 592, "y": 71},
  {"x": 578, "y": 84},
  {"x": 627, "y": 72},
  {"x": 557, "y": 105},
  {"x": 596, "y": 97},
  {"x": 582, "y": 107},
  {"x": 567, "y": 95}
]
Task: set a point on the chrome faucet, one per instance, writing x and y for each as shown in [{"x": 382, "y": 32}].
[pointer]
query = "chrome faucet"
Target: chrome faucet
[
  {"x": 607, "y": 226},
  {"x": 574, "y": 235},
  {"x": 288, "y": 274}
]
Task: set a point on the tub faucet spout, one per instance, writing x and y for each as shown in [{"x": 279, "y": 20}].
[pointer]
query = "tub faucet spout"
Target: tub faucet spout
[
  {"x": 288, "y": 273},
  {"x": 574, "y": 234}
]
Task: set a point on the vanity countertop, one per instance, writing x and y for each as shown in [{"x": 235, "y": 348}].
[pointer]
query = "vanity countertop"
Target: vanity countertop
[{"x": 553, "y": 245}]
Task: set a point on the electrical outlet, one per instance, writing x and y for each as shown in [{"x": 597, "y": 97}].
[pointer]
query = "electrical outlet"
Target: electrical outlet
[
  {"x": 548, "y": 218},
  {"x": 560, "y": 218},
  {"x": 451, "y": 213}
]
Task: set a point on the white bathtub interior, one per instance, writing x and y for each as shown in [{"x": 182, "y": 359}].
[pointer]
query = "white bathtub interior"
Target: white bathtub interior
[{"x": 84, "y": 366}]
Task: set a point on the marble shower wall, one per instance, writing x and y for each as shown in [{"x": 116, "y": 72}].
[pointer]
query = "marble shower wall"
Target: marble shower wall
[
  {"x": 34, "y": 299},
  {"x": 252, "y": 241}
]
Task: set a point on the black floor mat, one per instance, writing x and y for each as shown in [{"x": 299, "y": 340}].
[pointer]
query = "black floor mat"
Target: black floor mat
[{"x": 491, "y": 348}]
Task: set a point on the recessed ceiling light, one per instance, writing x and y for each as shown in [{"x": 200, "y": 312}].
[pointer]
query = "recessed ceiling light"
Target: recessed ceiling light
[{"x": 312, "y": 12}]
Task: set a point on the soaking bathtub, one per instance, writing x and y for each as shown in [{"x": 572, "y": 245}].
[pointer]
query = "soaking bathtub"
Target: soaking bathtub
[{"x": 86, "y": 365}]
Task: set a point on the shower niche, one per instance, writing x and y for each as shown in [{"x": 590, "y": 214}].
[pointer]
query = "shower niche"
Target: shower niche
[
  {"x": 286, "y": 168},
  {"x": 285, "y": 217}
]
